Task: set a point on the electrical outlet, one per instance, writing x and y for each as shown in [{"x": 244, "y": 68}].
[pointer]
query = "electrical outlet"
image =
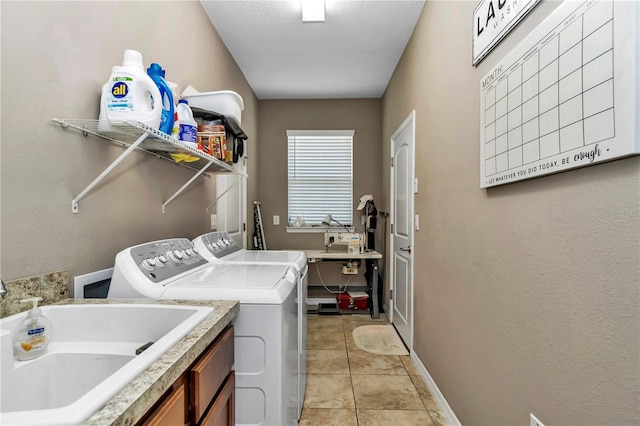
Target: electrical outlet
[
  {"x": 214, "y": 221},
  {"x": 347, "y": 270},
  {"x": 276, "y": 219},
  {"x": 533, "y": 421}
]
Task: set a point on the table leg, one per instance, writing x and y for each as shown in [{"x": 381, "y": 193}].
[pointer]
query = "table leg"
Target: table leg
[{"x": 374, "y": 292}]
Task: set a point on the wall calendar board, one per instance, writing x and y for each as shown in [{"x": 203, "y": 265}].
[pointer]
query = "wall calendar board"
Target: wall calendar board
[{"x": 567, "y": 96}]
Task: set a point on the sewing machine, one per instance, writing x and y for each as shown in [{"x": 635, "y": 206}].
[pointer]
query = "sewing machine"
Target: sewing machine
[{"x": 348, "y": 242}]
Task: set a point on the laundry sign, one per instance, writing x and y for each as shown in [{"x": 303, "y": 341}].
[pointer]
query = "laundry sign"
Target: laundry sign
[{"x": 492, "y": 20}]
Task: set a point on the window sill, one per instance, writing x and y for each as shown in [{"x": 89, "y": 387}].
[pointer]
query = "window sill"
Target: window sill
[{"x": 318, "y": 229}]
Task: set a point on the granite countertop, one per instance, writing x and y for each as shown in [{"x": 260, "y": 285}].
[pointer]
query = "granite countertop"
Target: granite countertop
[{"x": 134, "y": 400}]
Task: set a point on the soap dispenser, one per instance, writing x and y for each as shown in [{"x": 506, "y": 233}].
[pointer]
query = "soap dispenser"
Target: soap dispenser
[{"x": 33, "y": 334}]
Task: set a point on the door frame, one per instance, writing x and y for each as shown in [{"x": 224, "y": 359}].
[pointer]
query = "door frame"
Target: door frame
[
  {"x": 409, "y": 121},
  {"x": 222, "y": 200}
]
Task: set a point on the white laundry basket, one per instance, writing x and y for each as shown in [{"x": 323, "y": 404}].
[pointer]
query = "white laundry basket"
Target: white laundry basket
[{"x": 225, "y": 102}]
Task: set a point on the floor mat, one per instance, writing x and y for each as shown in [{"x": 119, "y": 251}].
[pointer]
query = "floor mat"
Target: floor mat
[{"x": 379, "y": 339}]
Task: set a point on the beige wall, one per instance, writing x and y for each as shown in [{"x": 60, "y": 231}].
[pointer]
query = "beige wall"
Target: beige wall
[
  {"x": 526, "y": 295},
  {"x": 278, "y": 116},
  {"x": 55, "y": 58}
]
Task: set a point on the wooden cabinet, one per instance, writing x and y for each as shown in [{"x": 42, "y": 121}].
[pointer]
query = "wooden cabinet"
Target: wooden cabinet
[
  {"x": 204, "y": 394},
  {"x": 208, "y": 375},
  {"x": 173, "y": 408},
  {"x": 222, "y": 411}
]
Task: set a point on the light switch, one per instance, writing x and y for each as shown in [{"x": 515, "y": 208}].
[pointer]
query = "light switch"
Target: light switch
[
  {"x": 417, "y": 222},
  {"x": 276, "y": 219}
]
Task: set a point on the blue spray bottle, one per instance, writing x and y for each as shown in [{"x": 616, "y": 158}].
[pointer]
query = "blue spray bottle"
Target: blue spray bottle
[{"x": 156, "y": 73}]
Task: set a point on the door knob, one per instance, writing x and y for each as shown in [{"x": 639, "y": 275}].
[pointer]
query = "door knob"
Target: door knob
[{"x": 407, "y": 249}]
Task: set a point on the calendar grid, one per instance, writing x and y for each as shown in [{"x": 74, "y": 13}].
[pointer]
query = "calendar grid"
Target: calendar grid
[{"x": 554, "y": 98}]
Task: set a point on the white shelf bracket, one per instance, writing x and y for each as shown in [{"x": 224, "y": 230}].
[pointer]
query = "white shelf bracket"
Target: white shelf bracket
[
  {"x": 135, "y": 136},
  {"x": 113, "y": 165},
  {"x": 179, "y": 191},
  {"x": 224, "y": 193}
]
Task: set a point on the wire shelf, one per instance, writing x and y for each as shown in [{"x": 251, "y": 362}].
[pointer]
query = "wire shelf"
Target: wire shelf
[
  {"x": 159, "y": 144},
  {"x": 137, "y": 136}
]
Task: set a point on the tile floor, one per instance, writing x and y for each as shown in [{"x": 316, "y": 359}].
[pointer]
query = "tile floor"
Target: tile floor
[{"x": 349, "y": 387}]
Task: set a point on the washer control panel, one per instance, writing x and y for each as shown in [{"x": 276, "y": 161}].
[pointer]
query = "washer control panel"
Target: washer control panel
[
  {"x": 165, "y": 259},
  {"x": 220, "y": 244}
]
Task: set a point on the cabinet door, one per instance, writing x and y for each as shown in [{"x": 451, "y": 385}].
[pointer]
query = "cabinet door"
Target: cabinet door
[
  {"x": 209, "y": 373},
  {"x": 222, "y": 411},
  {"x": 172, "y": 411}
]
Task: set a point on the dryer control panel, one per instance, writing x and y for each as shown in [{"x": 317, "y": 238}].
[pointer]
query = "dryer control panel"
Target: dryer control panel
[
  {"x": 165, "y": 259},
  {"x": 220, "y": 244}
]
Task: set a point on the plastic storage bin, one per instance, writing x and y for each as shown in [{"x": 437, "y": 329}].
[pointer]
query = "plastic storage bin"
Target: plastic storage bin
[
  {"x": 225, "y": 102},
  {"x": 347, "y": 302}
]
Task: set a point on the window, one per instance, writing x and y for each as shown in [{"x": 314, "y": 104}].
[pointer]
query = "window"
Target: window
[{"x": 320, "y": 175}]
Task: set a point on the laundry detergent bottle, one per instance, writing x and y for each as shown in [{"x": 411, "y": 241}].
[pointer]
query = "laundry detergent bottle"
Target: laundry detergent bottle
[
  {"x": 185, "y": 127},
  {"x": 156, "y": 73},
  {"x": 103, "y": 121},
  {"x": 130, "y": 94}
]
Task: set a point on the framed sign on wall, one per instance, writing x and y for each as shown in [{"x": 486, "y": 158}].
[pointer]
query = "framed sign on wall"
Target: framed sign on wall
[
  {"x": 492, "y": 20},
  {"x": 567, "y": 96}
]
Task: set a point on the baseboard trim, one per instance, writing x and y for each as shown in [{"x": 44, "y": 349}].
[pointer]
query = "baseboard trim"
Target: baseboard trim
[
  {"x": 437, "y": 395},
  {"x": 431, "y": 384}
]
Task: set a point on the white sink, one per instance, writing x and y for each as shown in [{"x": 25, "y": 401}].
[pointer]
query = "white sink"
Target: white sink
[{"x": 92, "y": 355}]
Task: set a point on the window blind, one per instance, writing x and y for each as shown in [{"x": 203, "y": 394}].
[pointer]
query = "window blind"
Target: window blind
[{"x": 320, "y": 175}]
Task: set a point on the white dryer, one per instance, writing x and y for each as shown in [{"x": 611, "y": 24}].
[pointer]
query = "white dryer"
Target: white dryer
[
  {"x": 266, "y": 328},
  {"x": 220, "y": 248}
]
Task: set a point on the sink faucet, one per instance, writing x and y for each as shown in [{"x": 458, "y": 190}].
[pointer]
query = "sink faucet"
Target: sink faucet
[{"x": 3, "y": 290}]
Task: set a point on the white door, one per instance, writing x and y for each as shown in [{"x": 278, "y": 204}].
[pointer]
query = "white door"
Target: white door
[
  {"x": 402, "y": 178},
  {"x": 231, "y": 205}
]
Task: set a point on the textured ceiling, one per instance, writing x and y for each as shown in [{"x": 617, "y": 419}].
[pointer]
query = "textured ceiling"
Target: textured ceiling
[{"x": 351, "y": 55}]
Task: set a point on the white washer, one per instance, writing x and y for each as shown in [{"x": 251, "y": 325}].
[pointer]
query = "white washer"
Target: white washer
[
  {"x": 220, "y": 248},
  {"x": 266, "y": 328}
]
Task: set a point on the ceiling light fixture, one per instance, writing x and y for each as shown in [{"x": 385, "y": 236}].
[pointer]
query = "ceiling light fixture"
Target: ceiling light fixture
[{"x": 312, "y": 10}]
